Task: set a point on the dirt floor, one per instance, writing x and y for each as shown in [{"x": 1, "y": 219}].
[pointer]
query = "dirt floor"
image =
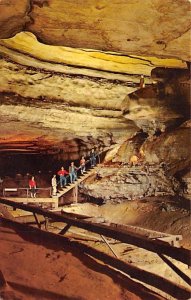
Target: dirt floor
[{"x": 37, "y": 268}]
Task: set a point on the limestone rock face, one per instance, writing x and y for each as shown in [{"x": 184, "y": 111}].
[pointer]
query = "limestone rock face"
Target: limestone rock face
[
  {"x": 152, "y": 27},
  {"x": 118, "y": 184},
  {"x": 64, "y": 101},
  {"x": 13, "y": 17},
  {"x": 171, "y": 148},
  {"x": 156, "y": 174}
]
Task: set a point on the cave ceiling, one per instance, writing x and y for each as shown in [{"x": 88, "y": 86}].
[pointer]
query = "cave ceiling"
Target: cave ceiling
[
  {"x": 66, "y": 69},
  {"x": 139, "y": 27}
]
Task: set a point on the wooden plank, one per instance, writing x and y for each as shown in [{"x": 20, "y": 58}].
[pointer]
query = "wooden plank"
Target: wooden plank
[
  {"x": 73, "y": 185},
  {"x": 180, "y": 254},
  {"x": 154, "y": 280},
  {"x": 31, "y": 200},
  {"x": 171, "y": 239}
]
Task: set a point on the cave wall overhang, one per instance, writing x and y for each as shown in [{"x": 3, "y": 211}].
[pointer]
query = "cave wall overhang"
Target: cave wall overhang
[{"x": 154, "y": 27}]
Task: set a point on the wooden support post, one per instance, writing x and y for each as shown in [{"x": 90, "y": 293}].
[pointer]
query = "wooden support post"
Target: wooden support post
[
  {"x": 56, "y": 203},
  {"x": 175, "y": 268},
  {"x": 125, "y": 236},
  {"x": 65, "y": 229},
  {"x": 37, "y": 222},
  {"x": 46, "y": 223},
  {"x": 170, "y": 288},
  {"x": 105, "y": 240},
  {"x": 75, "y": 194}
]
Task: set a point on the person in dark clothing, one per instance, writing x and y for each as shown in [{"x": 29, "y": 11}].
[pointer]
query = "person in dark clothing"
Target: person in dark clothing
[
  {"x": 73, "y": 172},
  {"x": 92, "y": 158}
]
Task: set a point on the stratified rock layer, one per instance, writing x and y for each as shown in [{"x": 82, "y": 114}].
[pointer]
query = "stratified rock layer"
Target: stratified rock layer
[
  {"x": 150, "y": 27},
  {"x": 59, "y": 98},
  {"x": 165, "y": 156}
]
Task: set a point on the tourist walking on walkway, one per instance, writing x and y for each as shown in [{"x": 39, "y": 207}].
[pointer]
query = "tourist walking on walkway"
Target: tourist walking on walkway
[
  {"x": 62, "y": 174},
  {"x": 54, "y": 185},
  {"x": 92, "y": 158},
  {"x": 73, "y": 172},
  {"x": 83, "y": 165},
  {"x": 32, "y": 186}
]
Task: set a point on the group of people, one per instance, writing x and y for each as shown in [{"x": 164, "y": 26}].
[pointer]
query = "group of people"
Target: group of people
[{"x": 64, "y": 174}]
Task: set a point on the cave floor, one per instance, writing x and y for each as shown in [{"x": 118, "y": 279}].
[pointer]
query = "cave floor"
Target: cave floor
[
  {"x": 37, "y": 268},
  {"x": 58, "y": 263}
]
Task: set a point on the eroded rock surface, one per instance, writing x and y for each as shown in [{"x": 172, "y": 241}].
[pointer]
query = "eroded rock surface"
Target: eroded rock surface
[
  {"x": 155, "y": 27},
  {"x": 63, "y": 101},
  {"x": 154, "y": 175}
]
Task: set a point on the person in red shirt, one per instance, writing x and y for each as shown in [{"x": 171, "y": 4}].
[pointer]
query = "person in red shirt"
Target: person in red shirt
[
  {"x": 62, "y": 174},
  {"x": 32, "y": 186}
]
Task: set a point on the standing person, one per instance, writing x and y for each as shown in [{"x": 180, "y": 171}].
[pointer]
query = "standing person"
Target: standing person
[
  {"x": 142, "y": 82},
  {"x": 83, "y": 165},
  {"x": 92, "y": 158},
  {"x": 133, "y": 160},
  {"x": 54, "y": 185},
  {"x": 32, "y": 186},
  {"x": 62, "y": 174},
  {"x": 73, "y": 172}
]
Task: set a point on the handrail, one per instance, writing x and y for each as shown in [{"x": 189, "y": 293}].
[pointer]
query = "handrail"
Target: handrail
[
  {"x": 50, "y": 188},
  {"x": 27, "y": 189},
  {"x": 161, "y": 283},
  {"x": 180, "y": 254},
  {"x": 87, "y": 162}
]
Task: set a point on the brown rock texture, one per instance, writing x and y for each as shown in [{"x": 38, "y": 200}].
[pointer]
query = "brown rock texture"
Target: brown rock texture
[
  {"x": 57, "y": 98},
  {"x": 13, "y": 17},
  {"x": 165, "y": 156},
  {"x": 156, "y": 27},
  {"x": 58, "y": 271}
]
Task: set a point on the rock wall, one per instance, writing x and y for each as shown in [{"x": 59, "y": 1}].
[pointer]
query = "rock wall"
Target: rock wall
[
  {"x": 160, "y": 28},
  {"x": 154, "y": 175},
  {"x": 64, "y": 101},
  {"x": 122, "y": 183}
]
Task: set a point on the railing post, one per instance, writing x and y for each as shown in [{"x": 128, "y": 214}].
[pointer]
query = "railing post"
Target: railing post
[
  {"x": 98, "y": 158},
  {"x": 75, "y": 194}
]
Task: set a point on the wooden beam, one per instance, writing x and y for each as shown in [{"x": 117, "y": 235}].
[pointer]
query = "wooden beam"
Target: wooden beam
[
  {"x": 161, "y": 283},
  {"x": 176, "y": 269},
  {"x": 107, "y": 243},
  {"x": 180, "y": 254},
  {"x": 36, "y": 219},
  {"x": 65, "y": 229}
]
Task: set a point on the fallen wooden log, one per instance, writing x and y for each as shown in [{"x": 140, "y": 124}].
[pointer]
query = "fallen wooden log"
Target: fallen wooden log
[
  {"x": 180, "y": 254},
  {"x": 162, "y": 284}
]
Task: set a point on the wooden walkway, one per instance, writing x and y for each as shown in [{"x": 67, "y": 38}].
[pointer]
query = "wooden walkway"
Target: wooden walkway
[
  {"x": 147, "y": 239},
  {"x": 74, "y": 187},
  {"x": 33, "y": 200},
  {"x": 123, "y": 235},
  {"x": 76, "y": 183},
  {"x": 54, "y": 199}
]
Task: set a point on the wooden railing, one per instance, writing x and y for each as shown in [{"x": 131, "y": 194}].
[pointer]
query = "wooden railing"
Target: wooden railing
[
  {"x": 180, "y": 254},
  {"x": 14, "y": 190}
]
